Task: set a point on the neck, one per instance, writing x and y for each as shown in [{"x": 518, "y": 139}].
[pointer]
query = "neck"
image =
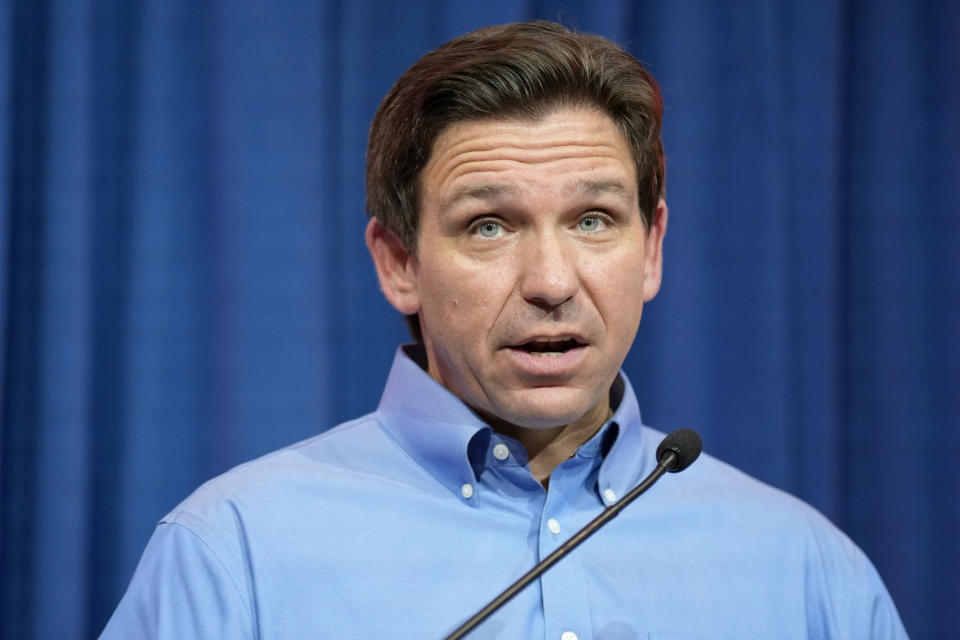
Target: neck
[{"x": 548, "y": 448}]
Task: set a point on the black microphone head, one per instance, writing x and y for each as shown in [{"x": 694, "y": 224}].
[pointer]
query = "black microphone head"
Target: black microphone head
[{"x": 685, "y": 445}]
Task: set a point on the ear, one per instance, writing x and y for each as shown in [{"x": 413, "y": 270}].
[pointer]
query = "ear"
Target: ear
[
  {"x": 653, "y": 264},
  {"x": 396, "y": 268}
]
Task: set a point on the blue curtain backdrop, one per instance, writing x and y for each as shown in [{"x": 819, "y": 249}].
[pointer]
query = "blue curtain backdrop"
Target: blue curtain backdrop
[{"x": 184, "y": 284}]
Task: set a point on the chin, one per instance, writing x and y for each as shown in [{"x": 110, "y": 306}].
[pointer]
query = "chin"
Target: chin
[{"x": 543, "y": 413}]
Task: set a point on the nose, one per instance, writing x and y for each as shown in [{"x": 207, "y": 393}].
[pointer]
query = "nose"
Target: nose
[{"x": 549, "y": 271}]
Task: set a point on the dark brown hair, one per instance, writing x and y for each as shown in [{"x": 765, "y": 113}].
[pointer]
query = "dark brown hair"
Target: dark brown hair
[{"x": 518, "y": 70}]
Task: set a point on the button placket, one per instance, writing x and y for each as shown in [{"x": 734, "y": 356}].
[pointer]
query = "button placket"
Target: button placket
[{"x": 565, "y": 602}]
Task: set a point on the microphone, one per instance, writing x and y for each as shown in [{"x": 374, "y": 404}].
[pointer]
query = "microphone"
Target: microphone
[
  {"x": 684, "y": 444},
  {"x": 676, "y": 452}
]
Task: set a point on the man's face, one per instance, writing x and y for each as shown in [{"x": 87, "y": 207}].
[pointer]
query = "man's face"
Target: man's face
[{"x": 532, "y": 264}]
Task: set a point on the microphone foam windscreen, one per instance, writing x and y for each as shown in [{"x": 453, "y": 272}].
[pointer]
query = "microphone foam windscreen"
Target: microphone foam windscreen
[{"x": 685, "y": 444}]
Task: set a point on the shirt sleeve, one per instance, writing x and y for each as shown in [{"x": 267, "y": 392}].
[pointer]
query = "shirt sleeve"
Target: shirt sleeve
[
  {"x": 851, "y": 599},
  {"x": 878, "y": 611},
  {"x": 181, "y": 590}
]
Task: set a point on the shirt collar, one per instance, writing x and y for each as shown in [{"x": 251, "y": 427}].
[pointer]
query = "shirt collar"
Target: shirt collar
[
  {"x": 451, "y": 442},
  {"x": 621, "y": 442},
  {"x": 431, "y": 424}
]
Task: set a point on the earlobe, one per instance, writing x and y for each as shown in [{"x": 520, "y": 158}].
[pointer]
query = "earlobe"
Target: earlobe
[
  {"x": 396, "y": 268},
  {"x": 653, "y": 267}
]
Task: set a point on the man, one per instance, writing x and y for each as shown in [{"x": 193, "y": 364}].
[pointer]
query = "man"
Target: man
[{"x": 516, "y": 180}]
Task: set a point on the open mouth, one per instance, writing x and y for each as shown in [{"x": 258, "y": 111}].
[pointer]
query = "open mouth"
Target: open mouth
[{"x": 549, "y": 347}]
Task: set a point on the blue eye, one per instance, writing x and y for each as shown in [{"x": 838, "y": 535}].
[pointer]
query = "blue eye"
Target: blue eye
[
  {"x": 489, "y": 229},
  {"x": 590, "y": 223}
]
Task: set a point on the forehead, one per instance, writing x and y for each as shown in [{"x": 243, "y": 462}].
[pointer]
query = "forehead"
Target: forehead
[{"x": 564, "y": 148}]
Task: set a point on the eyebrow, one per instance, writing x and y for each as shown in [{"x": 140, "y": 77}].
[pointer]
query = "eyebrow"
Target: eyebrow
[
  {"x": 596, "y": 187},
  {"x": 487, "y": 191},
  {"x": 490, "y": 191}
]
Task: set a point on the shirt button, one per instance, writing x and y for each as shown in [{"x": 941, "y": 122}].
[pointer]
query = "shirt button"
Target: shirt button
[
  {"x": 610, "y": 496},
  {"x": 501, "y": 452},
  {"x": 568, "y": 635},
  {"x": 553, "y": 525},
  {"x": 466, "y": 490}
]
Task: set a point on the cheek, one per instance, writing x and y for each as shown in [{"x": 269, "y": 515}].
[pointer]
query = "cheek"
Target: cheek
[
  {"x": 462, "y": 301},
  {"x": 616, "y": 287}
]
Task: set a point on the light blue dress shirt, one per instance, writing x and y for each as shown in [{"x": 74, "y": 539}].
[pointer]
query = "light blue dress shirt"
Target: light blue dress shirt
[{"x": 403, "y": 523}]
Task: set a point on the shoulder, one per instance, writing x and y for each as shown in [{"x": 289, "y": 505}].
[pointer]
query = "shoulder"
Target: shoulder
[
  {"x": 720, "y": 490},
  {"x": 739, "y": 526},
  {"x": 759, "y": 524},
  {"x": 282, "y": 479}
]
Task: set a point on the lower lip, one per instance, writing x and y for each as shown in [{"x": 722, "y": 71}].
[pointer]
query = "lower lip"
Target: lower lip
[{"x": 548, "y": 365}]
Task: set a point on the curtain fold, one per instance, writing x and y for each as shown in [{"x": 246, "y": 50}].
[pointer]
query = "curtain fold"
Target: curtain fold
[{"x": 184, "y": 283}]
